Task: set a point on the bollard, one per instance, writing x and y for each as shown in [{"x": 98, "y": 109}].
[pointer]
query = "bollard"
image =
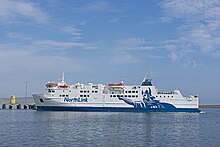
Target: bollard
[
  {"x": 10, "y": 106},
  {"x": 25, "y": 107},
  {"x": 3, "y": 106},
  {"x": 19, "y": 106}
]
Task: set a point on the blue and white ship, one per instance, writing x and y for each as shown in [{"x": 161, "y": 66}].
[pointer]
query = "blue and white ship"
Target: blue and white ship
[{"x": 145, "y": 97}]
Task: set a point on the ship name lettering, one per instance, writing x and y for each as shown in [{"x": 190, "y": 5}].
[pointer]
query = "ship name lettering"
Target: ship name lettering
[{"x": 75, "y": 100}]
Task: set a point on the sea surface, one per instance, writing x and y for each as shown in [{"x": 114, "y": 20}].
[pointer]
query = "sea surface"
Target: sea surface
[{"x": 41, "y": 128}]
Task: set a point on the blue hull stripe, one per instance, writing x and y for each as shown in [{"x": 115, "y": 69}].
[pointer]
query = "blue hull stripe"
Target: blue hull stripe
[{"x": 114, "y": 109}]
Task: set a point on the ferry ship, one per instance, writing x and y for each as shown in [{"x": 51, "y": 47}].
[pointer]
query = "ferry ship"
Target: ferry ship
[{"x": 60, "y": 96}]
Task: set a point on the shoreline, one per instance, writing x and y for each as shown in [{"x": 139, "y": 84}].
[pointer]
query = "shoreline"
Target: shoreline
[{"x": 209, "y": 106}]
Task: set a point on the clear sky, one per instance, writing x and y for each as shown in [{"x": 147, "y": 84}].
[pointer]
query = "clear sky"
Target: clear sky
[{"x": 176, "y": 42}]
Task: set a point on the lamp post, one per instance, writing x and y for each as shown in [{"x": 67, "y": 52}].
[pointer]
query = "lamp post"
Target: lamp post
[{"x": 26, "y": 89}]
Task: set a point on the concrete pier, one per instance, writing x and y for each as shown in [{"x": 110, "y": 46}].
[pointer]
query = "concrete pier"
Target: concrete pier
[
  {"x": 17, "y": 106},
  {"x": 16, "y": 103}
]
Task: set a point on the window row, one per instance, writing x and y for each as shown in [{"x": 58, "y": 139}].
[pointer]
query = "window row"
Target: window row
[
  {"x": 51, "y": 90},
  {"x": 87, "y": 91},
  {"x": 84, "y": 95},
  {"x": 131, "y": 91},
  {"x": 64, "y": 95},
  {"x": 123, "y": 95},
  {"x": 164, "y": 96}
]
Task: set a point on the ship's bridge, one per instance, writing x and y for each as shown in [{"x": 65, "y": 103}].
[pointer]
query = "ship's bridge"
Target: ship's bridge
[{"x": 146, "y": 82}]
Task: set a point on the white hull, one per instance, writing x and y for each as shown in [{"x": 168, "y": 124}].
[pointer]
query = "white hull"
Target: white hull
[{"x": 115, "y": 97}]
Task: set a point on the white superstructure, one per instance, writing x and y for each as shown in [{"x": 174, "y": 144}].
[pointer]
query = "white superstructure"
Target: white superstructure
[{"x": 114, "y": 97}]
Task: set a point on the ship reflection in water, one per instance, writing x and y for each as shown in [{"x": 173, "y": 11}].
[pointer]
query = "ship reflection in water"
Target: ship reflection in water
[
  {"x": 122, "y": 129},
  {"x": 53, "y": 128}
]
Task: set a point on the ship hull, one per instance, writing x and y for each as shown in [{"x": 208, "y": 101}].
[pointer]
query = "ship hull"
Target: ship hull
[
  {"x": 113, "y": 98},
  {"x": 114, "y": 109}
]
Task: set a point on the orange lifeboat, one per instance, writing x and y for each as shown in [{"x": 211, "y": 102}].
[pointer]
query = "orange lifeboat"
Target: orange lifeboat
[
  {"x": 119, "y": 84},
  {"x": 64, "y": 86},
  {"x": 51, "y": 84}
]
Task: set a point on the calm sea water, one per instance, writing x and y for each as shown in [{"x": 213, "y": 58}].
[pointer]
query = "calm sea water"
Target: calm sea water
[{"x": 36, "y": 128}]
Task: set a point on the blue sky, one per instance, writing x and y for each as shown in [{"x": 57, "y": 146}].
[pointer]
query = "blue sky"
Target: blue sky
[{"x": 175, "y": 41}]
